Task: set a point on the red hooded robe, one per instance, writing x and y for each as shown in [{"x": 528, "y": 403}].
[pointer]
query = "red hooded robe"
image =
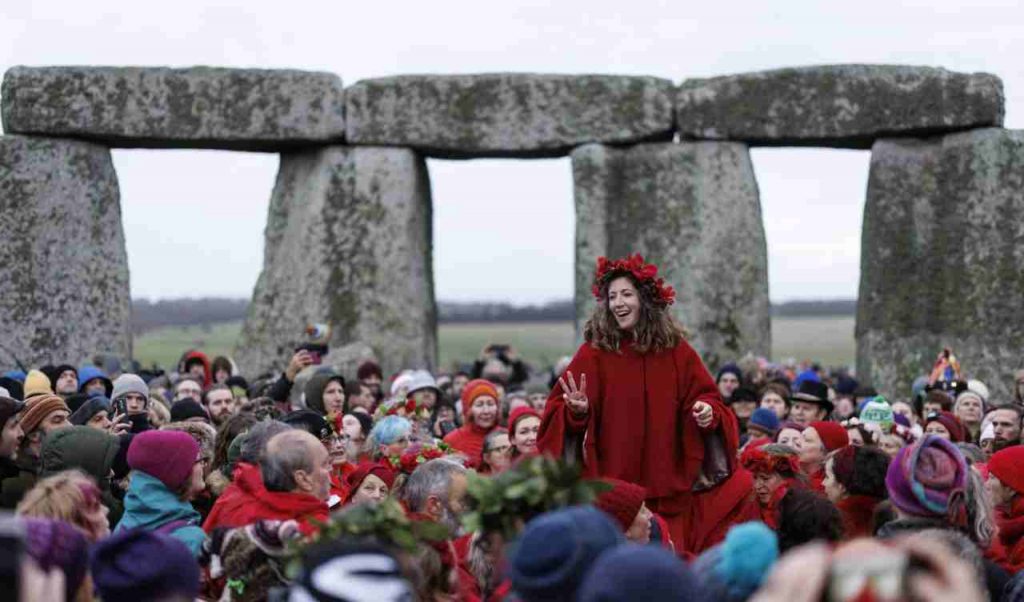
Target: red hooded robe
[{"x": 640, "y": 428}]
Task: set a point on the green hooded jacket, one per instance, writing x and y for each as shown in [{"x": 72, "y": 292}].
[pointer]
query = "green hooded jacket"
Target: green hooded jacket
[{"x": 88, "y": 449}]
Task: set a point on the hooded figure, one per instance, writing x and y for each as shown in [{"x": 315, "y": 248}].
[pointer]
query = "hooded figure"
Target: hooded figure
[
  {"x": 91, "y": 407},
  {"x": 314, "y": 390},
  {"x": 90, "y": 450},
  {"x": 193, "y": 357},
  {"x": 90, "y": 373}
]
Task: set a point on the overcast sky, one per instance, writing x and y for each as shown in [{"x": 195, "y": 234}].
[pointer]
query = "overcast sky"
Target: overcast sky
[{"x": 503, "y": 229}]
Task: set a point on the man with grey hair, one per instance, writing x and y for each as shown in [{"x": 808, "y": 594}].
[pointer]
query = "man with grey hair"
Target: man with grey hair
[
  {"x": 246, "y": 480},
  {"x": 437, "y": 489}
]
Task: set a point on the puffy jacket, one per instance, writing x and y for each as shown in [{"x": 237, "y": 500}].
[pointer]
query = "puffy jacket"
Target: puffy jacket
[{"x": 151, "y": 506}]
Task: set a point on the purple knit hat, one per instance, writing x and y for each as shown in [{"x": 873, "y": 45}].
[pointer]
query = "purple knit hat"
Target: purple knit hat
[
  {"x": 135, "y": 564},
  {"x": 53, "y": 543},
  {"x": 929, "y": 479},
  {"x": 164, "y": 455}
]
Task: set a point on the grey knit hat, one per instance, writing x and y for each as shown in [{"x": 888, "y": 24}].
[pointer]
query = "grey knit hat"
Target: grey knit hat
[{"x": 129, "y": 383}]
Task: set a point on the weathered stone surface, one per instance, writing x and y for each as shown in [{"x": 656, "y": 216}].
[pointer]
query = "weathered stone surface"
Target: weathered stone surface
[
  {"x": 507, "y": 115},
  {"x": 348, "y": 242},
  {"x": 63, "y": 266},
  {"x": 197, "y": 107},
  {"x": 942, "y": 259},
  {"x": 847, "y": 106},
  {"x": 692, "y": 209}
]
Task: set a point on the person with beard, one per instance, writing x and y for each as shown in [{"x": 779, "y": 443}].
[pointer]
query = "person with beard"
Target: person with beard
[
  {"x": 220, "y": 403},
  {"x": 634, "y": 389},
  {"x": 1006, "y": 421},
  {"x": 437, "y": 490}
]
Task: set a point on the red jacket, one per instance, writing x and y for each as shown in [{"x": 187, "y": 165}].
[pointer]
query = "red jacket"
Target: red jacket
[
  {"x": 1011, "y": 535},
  {"x": 641, "y": 429},
  {"x": 468, "y": 439},
  {"x": 858, "y": 512},
  {"x": 246, "y": 501}
]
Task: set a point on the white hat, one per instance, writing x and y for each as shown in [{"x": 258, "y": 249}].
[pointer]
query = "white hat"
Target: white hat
[{"x": 419, "y": 380}]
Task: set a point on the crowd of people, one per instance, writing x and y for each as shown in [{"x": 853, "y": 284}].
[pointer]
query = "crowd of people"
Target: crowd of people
[{"x": 627, "y": 471}]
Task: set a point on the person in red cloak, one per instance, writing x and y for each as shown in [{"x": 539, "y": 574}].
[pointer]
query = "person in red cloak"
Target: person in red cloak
[
  {"x": 637, "y": 404},
  {"x": 480, "y": 416},
  {"x": 776, "y": 469}
]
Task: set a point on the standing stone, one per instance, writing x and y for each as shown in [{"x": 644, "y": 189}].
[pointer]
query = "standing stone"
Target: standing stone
[
  {"x": 348, "y": 242},
  {"x": 692, "y": 209},
  {"x": 845, "y": 106},
  {"x": 942, "y": 260},
  {"x": 157, "y": 107},
  {"x": 507, "y": 114},
  {"x": 63, "y": 263}
]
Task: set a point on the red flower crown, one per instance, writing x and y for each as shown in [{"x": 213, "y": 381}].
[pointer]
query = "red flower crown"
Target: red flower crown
[
  {"x": 757, "y": 460},
  {"x": 645, "y": 274}
]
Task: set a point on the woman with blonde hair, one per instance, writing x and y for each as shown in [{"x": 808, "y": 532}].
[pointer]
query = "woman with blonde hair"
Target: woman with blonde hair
[{"x": 70, "y": 496}]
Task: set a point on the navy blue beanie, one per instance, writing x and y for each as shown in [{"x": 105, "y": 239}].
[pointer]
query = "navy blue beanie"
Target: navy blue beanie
[
  {"x": 551, "y": 557},
  {"x": 730, "y": 368},
  {"x": 143, "y": 565},
  {"x": 635, "y": 572},
  {"x": 766, "y": 419}
]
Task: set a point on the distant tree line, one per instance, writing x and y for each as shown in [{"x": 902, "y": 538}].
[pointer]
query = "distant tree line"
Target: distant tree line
[{"x": 147, "y": 315}]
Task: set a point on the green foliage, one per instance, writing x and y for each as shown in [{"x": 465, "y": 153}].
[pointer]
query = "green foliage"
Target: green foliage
[
  {"x": 386, "y": 523},
  {"x": 533, "y": 486}
]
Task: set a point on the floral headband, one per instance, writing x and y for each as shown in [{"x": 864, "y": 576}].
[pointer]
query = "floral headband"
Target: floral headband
[
  {"x": 645, "y": 274},
  {"x": 757, "y": 460}
]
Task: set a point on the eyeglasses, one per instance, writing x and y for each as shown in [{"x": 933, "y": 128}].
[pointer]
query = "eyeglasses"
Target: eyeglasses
[
  {"x": 500, "y": 449},
  {"x": 335, "y": 439}
]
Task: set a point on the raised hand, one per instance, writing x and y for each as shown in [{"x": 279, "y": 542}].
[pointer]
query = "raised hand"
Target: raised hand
[{"x": 575, "y": 397}]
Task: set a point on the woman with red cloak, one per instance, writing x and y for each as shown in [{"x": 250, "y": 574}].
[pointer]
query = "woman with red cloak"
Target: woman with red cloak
[{"x": 637, "y": 404}]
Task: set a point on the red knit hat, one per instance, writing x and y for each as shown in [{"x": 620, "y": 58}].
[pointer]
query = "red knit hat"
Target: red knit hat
[
  {"x": 518, "y": 414},
  {"x": 357, "y": 476},
  {"x": 475, "y": 388},
  {"x": 623, "y": 502},
  {"x": 1005, "y": 464},
  {"x": 165, "y": 455},
  {"x": 956, "y": 430},
  {"x": 833, "y": 435}
]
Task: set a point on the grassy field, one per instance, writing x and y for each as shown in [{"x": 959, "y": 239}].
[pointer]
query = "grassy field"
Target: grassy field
[{"x": 828, "y": 339}]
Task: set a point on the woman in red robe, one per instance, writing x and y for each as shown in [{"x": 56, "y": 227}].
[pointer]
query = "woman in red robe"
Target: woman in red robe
[{"x": 637, "y": 404}]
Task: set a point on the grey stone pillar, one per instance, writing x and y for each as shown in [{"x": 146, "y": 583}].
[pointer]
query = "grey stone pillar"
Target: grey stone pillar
[
  {"x": 942, "y": 259},
  {"x": 348, "y": 242},
  {"x": 693, "y": 209},
  {"x": 63, "y": 267}
]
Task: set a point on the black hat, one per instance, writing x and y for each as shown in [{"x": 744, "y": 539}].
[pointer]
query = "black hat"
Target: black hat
[
  {"x": 814, "y": 392},
  {"x": 187, "y": 408},
  {"x": 310, "y": 421},
  {"x": 742, "y": 394}
]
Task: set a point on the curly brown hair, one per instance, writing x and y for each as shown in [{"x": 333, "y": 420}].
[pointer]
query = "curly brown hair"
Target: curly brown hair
[{"x": 656, "y": 328}]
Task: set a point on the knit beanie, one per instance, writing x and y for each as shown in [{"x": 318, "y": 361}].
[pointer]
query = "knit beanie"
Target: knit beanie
[
  {"x": 343, "y": 571},
  {"x": 832, "y": 434},
  {"x": 635, "y": 572},
  {"x": 135, "y": 564},
  {"x": 1006, "y": 465},
  {"x": 622, "y": 502},
  {"x": 130, "y": 383},
  {"x": 734, "y": 569},
  {"x": 56, "y": 544},
  {"x": 38, "y": 408},
  {"x": 878, "y": 411},
  {"x": 729, "y": 368},
  {"x": 164, "y": 455},
  {"x": 929, "y": 479},
  {"x": 764, "y": 420},
  {"x": 518, "y": 414},
  {"x": 475, "y": 388},
  {"x": 355, "y": 478},
  {"x": 91, "y": 407},
  {"x": 556, "y": 549},
  {"x": 952, "y": 424},
  {"x": 8, "y": 408},
  {"x": 188, "y": 408},
  {"x": 36, "y": 383}
]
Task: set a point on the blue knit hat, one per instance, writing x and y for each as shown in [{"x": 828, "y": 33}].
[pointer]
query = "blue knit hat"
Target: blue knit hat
[
  {"x": 635, "y": 572},
  {"x": 551, "y": 557},
  {"x": 135, "y": 564},
  {"x": 766, "y": 420},
  {"x": 734, "y": 569}
]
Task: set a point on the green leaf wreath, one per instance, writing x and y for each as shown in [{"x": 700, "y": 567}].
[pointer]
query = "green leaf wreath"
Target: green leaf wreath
[{"x": 533, "y": 486}]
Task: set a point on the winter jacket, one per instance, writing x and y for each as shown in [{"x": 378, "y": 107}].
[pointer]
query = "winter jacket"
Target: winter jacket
[
  {"x": 1011, "y": 534},
  {"x": 87, "y": 449},
  {"x": 151, "y": 506},
  {"x": 246, "y": 501},
  {"x": 15, "y": 487}
]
